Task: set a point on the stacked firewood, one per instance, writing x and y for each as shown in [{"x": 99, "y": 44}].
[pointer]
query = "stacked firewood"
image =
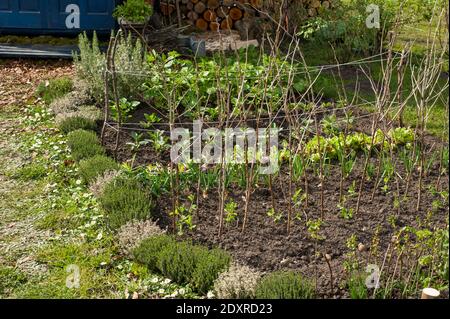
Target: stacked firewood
[
  {"x": 212, "y": 14},
  {"x": 231, "y": 14}
]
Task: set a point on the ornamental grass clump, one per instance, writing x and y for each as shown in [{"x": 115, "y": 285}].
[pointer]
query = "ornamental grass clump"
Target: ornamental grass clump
[
  {"x": 284, "y": 285},
  {"x": 84, "y": 144},
  {"x": 96, "y": 166},
  {"x": 125, "y": 199}
]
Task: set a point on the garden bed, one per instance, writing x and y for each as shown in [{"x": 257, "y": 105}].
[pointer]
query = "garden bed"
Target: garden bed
[{"x": 265, "y": 244}]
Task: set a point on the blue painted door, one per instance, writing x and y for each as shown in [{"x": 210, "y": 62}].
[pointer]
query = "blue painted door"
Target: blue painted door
[
  {"x": 57, "y": 15},
  {"x": 22, "y": 13}
]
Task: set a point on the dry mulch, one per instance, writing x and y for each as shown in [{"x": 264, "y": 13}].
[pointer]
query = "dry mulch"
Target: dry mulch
[{"x": 19, "y": 78}]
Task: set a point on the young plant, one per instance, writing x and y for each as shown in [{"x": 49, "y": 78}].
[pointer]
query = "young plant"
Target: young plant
[
  {"x": 276, "y": 217},
  {"x": 159, "y": 141},
  {"x": 127, "y": 109},
  {"x": 313, "y": 227},
  {"x": 184, "y": 215},
  {"x": 150, "y": 119},
  {"x": 53, "y": 89},
  {"x": 138, "y": 142},
  {"x": 230, "y": 211},
  {"x": 346, "y": 213}
]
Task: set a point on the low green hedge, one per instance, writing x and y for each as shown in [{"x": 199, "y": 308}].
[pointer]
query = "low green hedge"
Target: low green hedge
[
  {"x": 74, "y": 123},
  {"x": 183, "y": 262},
  {"x": 84, "y": 144},
  {"x": 284, "y": 285},
  {"x": 124, "y": 199},
  {"x": 95, "y": 166}
]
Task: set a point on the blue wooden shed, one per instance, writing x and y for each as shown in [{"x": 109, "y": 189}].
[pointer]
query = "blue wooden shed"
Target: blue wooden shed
[{"x": 56, "y": 16}]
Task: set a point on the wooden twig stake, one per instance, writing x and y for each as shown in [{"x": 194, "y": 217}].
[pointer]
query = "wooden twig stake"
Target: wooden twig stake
[
  {"x": 116, "y": 94},
  {"x": 106, "y": 78}
]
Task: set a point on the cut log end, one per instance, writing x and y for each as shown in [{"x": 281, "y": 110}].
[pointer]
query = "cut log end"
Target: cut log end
[
  {"x": 430, "y": 293},
  {"x": 201, "y": 24}
]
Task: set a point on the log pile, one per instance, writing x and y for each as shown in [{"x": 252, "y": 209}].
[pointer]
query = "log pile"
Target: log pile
[
  {"x": 217, "y": 15},
  {"x": 212, "y": 15}
]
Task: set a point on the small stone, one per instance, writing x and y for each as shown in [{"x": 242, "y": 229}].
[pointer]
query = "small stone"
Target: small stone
[
  {"x": 328, "y": 257},
  {"x": 361, "y": 247}
]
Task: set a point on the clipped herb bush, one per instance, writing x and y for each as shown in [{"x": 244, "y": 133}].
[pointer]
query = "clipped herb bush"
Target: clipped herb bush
[
  {"x": 209, "y": 264},
  {"x": 74, "y": 123},
  {"x": 148, "y": 250},
  {"x": 95, "y": 166},
  {"x": 84, "y": 144},
  {"x": 284, "y": 285},
  {"x": 124, "y": 199},
  {"x": 183, "y": 262},
  {"x": 177, "y": 261},
  {"x": 54, "y": 89}
]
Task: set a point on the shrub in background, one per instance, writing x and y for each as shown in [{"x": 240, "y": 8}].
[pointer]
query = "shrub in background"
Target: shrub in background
[
  {"x": 96, "y": 166},
  {"x": 76, "y": 123},
  {"x": 53, "y": 89},
  {"x": 134, "y": 11},
  {"x": 84, "y": 144},
  {"x": 125, "y": 199},
  {"x": 344, "y": 26},
  {"x": 284, "y": 285},
  {"x": 134, "y": 232},
  {"x": 238, "y": 282}
]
